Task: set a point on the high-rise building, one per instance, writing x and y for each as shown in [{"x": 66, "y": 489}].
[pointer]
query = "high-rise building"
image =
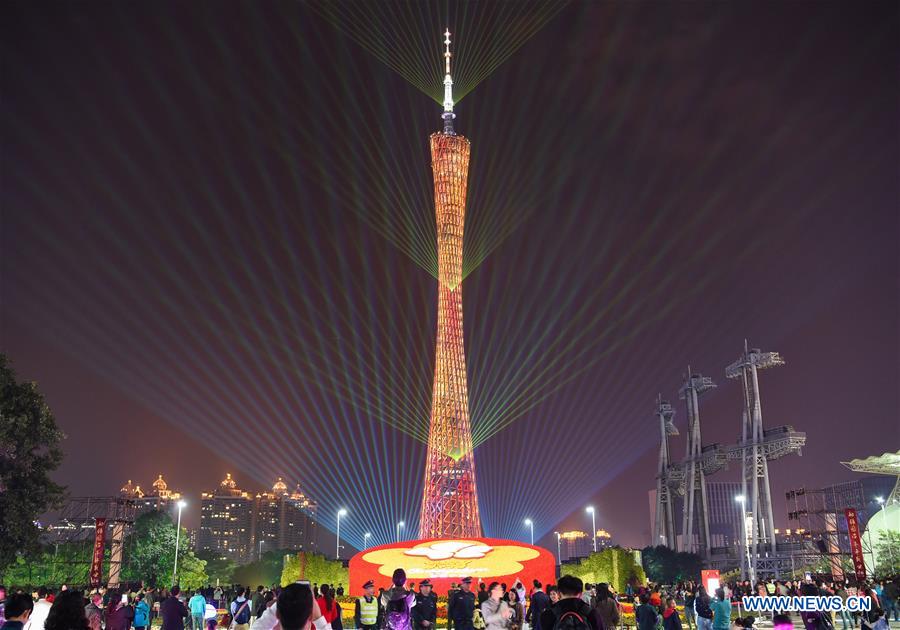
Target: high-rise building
[
  {"x": 575, "y": 544},
  {"x": 450, "y": 501},
  {"x": 284, "y": 520},
  {"x": 159, "y": 498},
  {"x": 226, "y": 518}
]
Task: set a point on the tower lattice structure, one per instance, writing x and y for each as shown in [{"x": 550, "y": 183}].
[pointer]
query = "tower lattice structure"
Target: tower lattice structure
[
  {"x": 450, "y": 500},
  {"x": 664, "y": 524}
]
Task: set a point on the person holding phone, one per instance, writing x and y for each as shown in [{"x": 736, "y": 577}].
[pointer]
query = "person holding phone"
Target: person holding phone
[{"x": 293, "y": 601}]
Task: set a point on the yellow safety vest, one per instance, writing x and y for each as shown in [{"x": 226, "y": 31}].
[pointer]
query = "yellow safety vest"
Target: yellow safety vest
[{"x": 368, "y": 612}]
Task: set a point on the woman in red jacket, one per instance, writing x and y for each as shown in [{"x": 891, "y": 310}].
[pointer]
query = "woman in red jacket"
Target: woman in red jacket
[{"x": 327, "y": 605}]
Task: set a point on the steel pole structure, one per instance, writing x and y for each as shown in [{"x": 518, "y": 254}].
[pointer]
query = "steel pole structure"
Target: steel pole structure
[
  {"x": 177, "y": 541},
  {"x": 558, "y": 552},
  {"x": 337, "y": 549}
]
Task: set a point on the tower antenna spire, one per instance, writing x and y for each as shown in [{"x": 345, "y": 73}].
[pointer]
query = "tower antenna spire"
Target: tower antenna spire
[{"x": 448, "y": 114}]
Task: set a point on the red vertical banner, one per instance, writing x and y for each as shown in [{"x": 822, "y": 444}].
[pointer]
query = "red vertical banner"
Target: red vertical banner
[
  {"x": 859, "y": 563},
  {"x": 97, "y": 560}
]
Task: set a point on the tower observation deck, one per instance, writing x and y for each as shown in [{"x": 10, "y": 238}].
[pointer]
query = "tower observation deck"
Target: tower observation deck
[{"x": 450, "y": 500}]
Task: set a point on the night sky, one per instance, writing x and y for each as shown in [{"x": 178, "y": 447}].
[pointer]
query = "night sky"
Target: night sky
[{"x": 216, "y": 257}]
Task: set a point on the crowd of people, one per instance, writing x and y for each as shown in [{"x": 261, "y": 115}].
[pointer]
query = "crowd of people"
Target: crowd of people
[{"x": 568, "y": 605}]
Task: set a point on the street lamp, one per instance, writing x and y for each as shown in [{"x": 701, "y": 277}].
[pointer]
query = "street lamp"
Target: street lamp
[
  {"x": 337, "y": 549},
  {"x": 366, "y": 538},
  {"x": 590, "y": 510},
  {"x": 530, "y": 524},
  {"x": 558, "y": 554},
  {"x": 745, "y": 546},
  {"x": 399, "y": 525},
  {"x": 181, "y": 505},
  {"x": 259, "y": 553}
]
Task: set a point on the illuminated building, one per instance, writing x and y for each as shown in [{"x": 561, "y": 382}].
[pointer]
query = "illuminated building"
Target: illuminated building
[
  {"x": 575, "y": 544},
  {"x": 450, "y": 501},
  {"x": 226, "y": 518},
  {"x": 283, "y": 520},
  {"x": 160, "y": 498}
]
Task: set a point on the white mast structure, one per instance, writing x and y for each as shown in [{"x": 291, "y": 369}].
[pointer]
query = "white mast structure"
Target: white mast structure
[
  {"x": 664, "y": 525},
  {"x": 694, "y": 469},
  {"x": 756, "y": 448}
]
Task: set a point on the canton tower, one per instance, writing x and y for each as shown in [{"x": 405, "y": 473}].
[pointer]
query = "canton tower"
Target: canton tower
[{"x": 449, "y": 501}]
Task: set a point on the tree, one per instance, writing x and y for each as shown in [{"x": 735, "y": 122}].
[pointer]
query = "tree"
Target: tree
[
  {"x": 29, "y": 452},
  {"x": 615, "y": 566},
  {"x": 887, "y": 553},
  {"x": 318, "y": 569},
  {"x": 666, "y": 566},
  {"x": 266, "y": 571},
  {"x": 152, "y": 557},
  {"x": 219, "y": 570}
]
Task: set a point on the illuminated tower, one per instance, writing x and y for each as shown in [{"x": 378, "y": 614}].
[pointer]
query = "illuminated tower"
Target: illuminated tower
[
  {"x": 449, "y": 501},
  {"x": 664, "y": 524}
]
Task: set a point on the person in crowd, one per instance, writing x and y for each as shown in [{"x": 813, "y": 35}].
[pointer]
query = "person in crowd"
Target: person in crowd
[
  {"x": 2, "y": 604},
  {"x": 141, "y": 612},
  {"x": 782, "y": 622},
  {"x": 173, "y": 611},
  {"x": 587, "y": 594},
  {"x": 570, "y": 610},
  {"x": 398, "y": 603},
  {"x": 256, "y": 602},
  {"x": 450, "y": 592},
  {"x": 461, "y": 607},
  {"x": 607, "y": 607},
  {"x": 702, "y": 608},
  {"x": 671, "y": 620},
  {"x": 690, "y": 615},
  {"x": 424, "y": 613},
  {"x": 339, "y": 590},
  {"x": 553, "y": 595},
  {"x": 482, "y": 593},
  {"x": 327, "y": 604},
  {"x": 645, "y": 615},
  {"x": 17, "y": 610},
  {"x": 811, "y": 619},
  {"x": 240, "y": 610},
  {"x": 67, "y": 612},
  {"x": 295, "y": 609},
  {"x": 539, "y": 603},
  {"x": 520, "y": 591},
  {"x": 93, "y": 612},
  {"x": 197, "y": 607},
  {"x": 517, "y": 608},
  {"x": 41, "y": 609},
  {"x": 721, "y": 608},
  {"x": 890, "y": 599},
  {"x": 118, "y": 613},
  {"x": 495, "y": 611},
  {"x": 368, "y": 613},
  {"x": 218, "y": 596}
]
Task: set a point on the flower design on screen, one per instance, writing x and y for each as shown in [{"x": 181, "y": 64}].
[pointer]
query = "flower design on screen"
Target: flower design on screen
[
  {"x": 445, "y": 550},
  {"x": 449, "y": 558}
]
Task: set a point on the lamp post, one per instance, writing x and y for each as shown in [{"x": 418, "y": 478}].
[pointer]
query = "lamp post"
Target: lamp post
[
  {"x": 400, "y": 525},
  {"x": 590, "y": 510},
  {"x": 366, "y": 538},
  {"x": 181, "y": 505},
  {"x": 337, "y": 549},
  {"x": 259, "y": 552},
  {"x": 745, "y": 547},
  {"x": 530, "y": 524},
  {"x": 558, "y": 554}
]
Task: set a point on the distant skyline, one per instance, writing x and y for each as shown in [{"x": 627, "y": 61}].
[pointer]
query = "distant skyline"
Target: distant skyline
[{"x": 215, "y": 230}]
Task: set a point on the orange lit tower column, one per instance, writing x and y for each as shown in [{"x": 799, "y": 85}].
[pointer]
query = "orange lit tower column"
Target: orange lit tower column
[{"x": 449, "y": 502}]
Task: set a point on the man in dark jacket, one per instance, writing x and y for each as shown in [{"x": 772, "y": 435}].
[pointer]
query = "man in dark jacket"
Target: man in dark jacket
[
  {"x": 482, "y": 593},
  {"x": 645, "y": 615},
  {"x": 539, "y": 603},
  {"x": 461, "y": 608},
  {"x": 172, "y": 611},
  {"x": 424, "y": 613},
  {"x": 570, "y": 589}
]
